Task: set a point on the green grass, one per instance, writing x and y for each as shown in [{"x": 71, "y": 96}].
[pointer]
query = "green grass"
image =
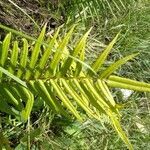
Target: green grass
[
  {"x": 57, "y": 133},
  {"x": 135, "y": 37},
  {"x": 92, "y": 134}
]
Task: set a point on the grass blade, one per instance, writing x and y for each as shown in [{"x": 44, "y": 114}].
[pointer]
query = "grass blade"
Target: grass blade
[{"x": 24, "y": 13}]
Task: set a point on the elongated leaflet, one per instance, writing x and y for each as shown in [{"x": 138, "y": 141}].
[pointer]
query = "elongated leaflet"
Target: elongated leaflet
[
  {"x": 60, "y": 50},
  {"x": 14, "y": 58},
  {"x": 119, "y": 84},
  {"x": 65, "y": 99},
  {"x": 80, "y": 45},
  {"x": 13, "y": 77},
  {"x": 46, "y": 55},
  {"x": 77, "y": 98},
  {"x": 102, "y": 86},
  {"x": 4, "y": 51},
  {"x": 23, "y": 59},
  {"x": 100, "y": 60},
  {"x": 35, "y": 53},
  {"x": 25, "y": 113},
  {"x": 111, "y": 69},
  {"x": 128, "y": 82}
]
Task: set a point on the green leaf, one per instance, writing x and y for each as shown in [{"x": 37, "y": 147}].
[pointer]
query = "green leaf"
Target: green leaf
[
  {"x": 104, "y": 89},
  {"x": 5, "y": 47},
  {"x": 4, "y": 53},
  {"x": 25, "y": 113},
  {"x": 67, "y": 93},
  {"x": 44, "y": 93},
  {"x": 78, "y": 49},
  {"x": 61, "y": 110},
  {"x": 10, "y": 98},
  {"x": 23, "y": 58},
  {"x": 125, "y": 83},
  {"x": 43, "y": 43},
  {"x": 46, "y": 55},
  {"x": 13, "y": 77},
  {"x": 87, "y": 95},
  {"x": 110, "y": 113},
  {"x": 79, "y": 66},
  {"x": 59, "y": 51},
  {"x": 35, "y": 53},
  {"x": 77, "y": 98},
  {"x": 14, "y": 58},
  {"x": 121, "y": 133},
  {"x": 4, "y": 107},
  {"x": 100, "y": 60},
  {"x": 116, "y": 65},
  {"x": 65, "y": 99},
  {"x": 105, "y": 93}
]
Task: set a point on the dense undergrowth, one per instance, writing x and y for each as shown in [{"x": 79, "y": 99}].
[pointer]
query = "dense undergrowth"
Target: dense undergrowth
[{"x": 49, "y": 131}]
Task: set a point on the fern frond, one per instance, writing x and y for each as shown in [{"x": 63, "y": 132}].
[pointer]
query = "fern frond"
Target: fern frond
[{"x": 60, "y": 81}]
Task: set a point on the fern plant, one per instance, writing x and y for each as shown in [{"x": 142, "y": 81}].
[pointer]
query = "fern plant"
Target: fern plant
[{"x": 60, "y": 77}]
